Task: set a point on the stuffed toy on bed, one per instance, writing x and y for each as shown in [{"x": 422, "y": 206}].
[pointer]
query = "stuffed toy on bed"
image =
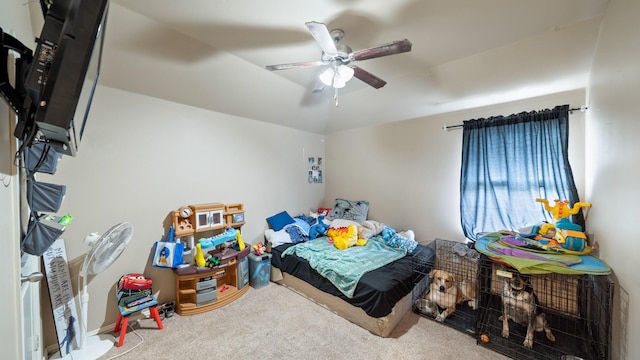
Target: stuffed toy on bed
[
  {"x": 401, "y": 240},
  {"x": 345, "y": 237},
  {"x": 319, "y": 229}
]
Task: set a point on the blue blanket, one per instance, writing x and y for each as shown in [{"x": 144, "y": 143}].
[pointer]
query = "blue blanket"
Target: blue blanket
[
  {"x": 344, "y": 268},
  {"x": 298, "y": 230}
]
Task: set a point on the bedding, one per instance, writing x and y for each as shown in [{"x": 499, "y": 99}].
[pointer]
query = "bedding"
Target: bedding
[
  {"x": 338, "y": 265},
  {"x": 377, "y": 290},
  {"x": 277, "y": 238},
  {"x": 373, "y": 284}
]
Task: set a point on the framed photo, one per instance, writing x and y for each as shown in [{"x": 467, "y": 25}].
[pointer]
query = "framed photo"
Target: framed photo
[
  {"x": 236, "y": 218},
  {"x": 314, "y": 168}
]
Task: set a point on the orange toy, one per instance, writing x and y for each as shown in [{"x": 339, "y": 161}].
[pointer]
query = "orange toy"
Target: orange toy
[{"x": 259, "y": 248}]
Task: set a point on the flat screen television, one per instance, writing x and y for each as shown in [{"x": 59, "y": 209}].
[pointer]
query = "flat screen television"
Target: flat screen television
[{"x": 58, "y": 83}]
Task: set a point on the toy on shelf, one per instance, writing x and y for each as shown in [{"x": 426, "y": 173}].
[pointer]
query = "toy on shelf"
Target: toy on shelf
[
  {"x": 561, "y": 209},
  {"x": 210, "y": 243},
  {"x": 212, "y": 261},
  {"x": 241, "y": 245},
  {"x": 199, "y": 256},
  {"x": 567, "y": 234},
  {"x": 546, "y": 233},
  {"x": 259, "y": 248},
  {"x": 229, "y": 235},
  {"x": 65, "y": 220}
]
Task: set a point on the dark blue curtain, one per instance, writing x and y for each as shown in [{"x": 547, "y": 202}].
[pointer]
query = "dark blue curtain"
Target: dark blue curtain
[{"x": 508, "y": 162}]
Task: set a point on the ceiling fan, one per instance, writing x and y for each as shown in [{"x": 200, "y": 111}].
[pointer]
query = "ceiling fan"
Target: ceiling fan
[{"x": 339, "y": 58}]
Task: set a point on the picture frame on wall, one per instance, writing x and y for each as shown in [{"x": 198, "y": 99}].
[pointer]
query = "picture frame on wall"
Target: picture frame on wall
[{"x": 314, "y": 170}]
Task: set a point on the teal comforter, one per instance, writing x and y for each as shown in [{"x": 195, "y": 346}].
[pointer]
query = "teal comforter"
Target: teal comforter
[{"x": 344, "y": 268}]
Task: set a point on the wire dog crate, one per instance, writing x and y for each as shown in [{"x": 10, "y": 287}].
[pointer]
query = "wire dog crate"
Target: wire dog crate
[
  {"x": 577, "y": 308},
  {"x": 460, "y": 261}
]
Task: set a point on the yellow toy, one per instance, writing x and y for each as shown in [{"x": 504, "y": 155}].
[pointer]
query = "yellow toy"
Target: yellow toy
[
  {"x": 345, "y": 237},
  {"x": 200, "y": 261},
  {"x": 548, "y": 231},
  {"x": 569, "y": 235},
  {"x": 561, "y": 209},
  {"x": 240, "y": 241}
]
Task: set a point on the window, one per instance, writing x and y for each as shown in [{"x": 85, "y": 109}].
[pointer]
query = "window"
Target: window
[{"x": 509, "y": 162}]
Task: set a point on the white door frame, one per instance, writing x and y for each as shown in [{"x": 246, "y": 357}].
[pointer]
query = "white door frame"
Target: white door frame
[{"x": 32, "y": 341}]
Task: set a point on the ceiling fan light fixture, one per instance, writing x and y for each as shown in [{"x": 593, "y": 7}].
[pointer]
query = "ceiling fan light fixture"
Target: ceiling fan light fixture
[
  {"x": 337, "y": 77},
  {"x": 327, "y": 76},
  {"x": 346, "y": 72},
  {"x": 338, "y": 83}
]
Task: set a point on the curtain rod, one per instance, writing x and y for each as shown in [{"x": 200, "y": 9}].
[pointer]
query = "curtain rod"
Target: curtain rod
[{"x": 449, "y": 127}]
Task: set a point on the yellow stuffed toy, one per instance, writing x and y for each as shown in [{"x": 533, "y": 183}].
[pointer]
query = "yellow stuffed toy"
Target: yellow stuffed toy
[{"x": 345, "y": 237}]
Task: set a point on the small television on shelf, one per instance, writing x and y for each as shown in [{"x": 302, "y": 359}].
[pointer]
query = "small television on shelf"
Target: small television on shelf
[{"x": 57, "y": 84}]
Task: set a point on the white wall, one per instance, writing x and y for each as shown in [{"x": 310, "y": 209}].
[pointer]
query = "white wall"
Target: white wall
[
  {"x": 409, "y": 171},
  {"x": 613, "y": 167},
  {"x": 141, "y": 158}
]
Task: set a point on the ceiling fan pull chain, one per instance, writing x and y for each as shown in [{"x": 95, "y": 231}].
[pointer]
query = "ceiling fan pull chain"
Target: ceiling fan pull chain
[{"x": 335, "y": 88}]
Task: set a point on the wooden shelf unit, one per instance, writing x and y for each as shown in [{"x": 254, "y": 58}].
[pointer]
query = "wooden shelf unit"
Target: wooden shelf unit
[
  {"x": 194, "y": 285},
  {"x": 231, "y": 214},
  {"x": 226, "y": 276},
  {"x": 207, "y": 217}
]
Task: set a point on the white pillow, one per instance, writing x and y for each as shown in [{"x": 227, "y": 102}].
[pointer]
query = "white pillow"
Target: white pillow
[{"x": 277, "y": 237}]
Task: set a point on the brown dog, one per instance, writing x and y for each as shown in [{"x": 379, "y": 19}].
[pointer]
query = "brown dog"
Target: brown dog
[
  {"x": 520, "y": 304},
  {"x": 446, "y": 293}
]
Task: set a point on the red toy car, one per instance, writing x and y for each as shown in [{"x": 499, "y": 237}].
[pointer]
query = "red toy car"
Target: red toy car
[{"x": 134, "y": 282}]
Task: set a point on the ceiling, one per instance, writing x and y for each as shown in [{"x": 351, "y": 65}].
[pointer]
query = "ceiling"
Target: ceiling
[{"x": 466, "y": 54}]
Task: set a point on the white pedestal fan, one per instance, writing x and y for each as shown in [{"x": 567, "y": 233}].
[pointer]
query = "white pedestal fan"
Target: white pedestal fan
[{"x": 104, "y": 250}]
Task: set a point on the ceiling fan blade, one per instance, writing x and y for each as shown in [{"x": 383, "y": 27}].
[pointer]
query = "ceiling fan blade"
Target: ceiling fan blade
[
  {"x": 298, "y": 65},
  {"x": 322, "y": 36},
  {"x": 394, "y": 47},
  {"x": 368, "y": 77}
]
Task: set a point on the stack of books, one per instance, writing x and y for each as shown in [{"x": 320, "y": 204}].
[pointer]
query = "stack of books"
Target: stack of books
[{"x": 134, "y": 293}]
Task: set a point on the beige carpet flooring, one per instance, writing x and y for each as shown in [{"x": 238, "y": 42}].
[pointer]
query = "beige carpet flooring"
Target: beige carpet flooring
[{"x": 273, "y": 322}]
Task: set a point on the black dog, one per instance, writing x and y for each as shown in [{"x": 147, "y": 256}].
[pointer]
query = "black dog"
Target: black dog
[{"x": 520, "y": 304}]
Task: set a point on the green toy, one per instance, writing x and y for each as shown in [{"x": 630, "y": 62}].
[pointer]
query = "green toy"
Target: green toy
[{"x": 65, "y": 220}]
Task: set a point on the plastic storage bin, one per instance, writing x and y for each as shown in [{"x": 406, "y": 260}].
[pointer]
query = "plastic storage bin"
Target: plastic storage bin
[
  {"x": 243, "y": 272},
  {"x": 259, "y": 270},
  {"x": 243, "y": 267}
]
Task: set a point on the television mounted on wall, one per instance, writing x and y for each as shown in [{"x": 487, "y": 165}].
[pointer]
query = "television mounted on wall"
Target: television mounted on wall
[{"x": 55, "y": 86}]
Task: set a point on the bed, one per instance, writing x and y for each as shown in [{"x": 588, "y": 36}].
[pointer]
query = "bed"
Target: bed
[{"x": 380, "y": 297}]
